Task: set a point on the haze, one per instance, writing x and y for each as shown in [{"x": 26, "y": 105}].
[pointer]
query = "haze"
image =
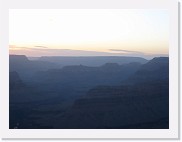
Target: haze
[{"x": 89, "y": 32}]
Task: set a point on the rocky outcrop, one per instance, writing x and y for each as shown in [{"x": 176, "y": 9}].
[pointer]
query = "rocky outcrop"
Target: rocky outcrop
[{"x": 120, "y": 107}]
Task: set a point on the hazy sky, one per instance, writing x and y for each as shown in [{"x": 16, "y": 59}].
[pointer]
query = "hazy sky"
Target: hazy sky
[{"x": 112, "y": 31}]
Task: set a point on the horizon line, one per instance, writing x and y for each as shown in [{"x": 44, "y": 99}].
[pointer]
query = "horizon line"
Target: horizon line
[{"x": 165, "y": 55}]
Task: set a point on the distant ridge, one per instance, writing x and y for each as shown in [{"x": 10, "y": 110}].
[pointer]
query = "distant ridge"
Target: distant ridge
[
  {"x": 157, "y": 62},
  {"x": 119, "y": 94},
  {"x": 91, "y": 60},
  {"x": 156, "y": 69},
  {"x": 25, "y": 67},
  {"x": 143, "y": 104},
  {"x": 18, "y": 58}
]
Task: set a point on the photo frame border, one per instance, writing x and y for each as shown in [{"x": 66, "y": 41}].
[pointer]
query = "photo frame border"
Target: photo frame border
[{"x": 171, "y": 133}]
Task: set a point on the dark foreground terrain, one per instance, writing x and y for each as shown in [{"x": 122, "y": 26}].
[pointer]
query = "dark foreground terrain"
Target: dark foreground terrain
[{"x": 89, "y": 93}]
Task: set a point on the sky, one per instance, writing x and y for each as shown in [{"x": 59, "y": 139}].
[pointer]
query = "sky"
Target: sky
[{"x": 89, "y": 32}]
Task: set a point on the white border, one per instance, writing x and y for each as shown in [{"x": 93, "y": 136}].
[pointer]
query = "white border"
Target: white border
[{"x": 171, "y": 5}]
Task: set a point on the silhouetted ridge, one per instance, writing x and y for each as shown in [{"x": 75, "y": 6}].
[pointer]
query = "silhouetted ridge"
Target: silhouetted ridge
[
  {"x": 105, "y": 74},
  {"x": 120, "y": 107},
  {"x": 110, "y": 65},
  {"x": 26, "y": 68},
  {"x": 89, "y": 93},
  {"x": 156, "y": 69},
  {"x": 157, "y": 63},
  {"x": 77, "y": 68},
  {"x": 141, "y": 103},
  {"x": 92, "y": 60},
  {"x": 18, "y": 58}
]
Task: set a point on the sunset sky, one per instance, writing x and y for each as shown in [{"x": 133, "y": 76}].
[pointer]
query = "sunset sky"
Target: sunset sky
[{"x": 90, "y": 32}]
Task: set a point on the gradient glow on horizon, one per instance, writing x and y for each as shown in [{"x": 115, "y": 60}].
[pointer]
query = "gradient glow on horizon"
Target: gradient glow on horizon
[{"x": 126, "y": 31}]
